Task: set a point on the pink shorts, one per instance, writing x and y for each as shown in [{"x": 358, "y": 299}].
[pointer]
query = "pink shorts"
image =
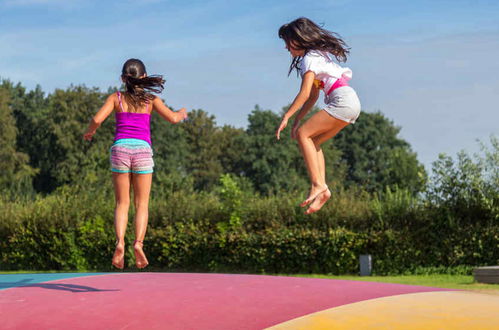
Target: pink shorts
[{"x": 131, "y": 155}]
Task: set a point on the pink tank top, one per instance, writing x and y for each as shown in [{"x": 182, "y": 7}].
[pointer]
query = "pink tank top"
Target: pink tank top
[{"x": 131, "y": 125}]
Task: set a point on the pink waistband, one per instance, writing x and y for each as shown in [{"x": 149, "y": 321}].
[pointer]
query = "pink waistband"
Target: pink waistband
[{"x": 337, "y": 84}]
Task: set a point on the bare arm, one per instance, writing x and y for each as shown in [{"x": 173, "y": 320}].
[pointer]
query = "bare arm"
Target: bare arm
[
  {"x": 99, "y": 117},
  {"x": 169, "y": 115},
  {"x": 299, "y": 101},
  {"x": 314, "y": 96}
]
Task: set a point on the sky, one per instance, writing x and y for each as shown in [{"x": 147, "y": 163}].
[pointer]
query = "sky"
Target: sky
[{"x": 430, "y": 66}]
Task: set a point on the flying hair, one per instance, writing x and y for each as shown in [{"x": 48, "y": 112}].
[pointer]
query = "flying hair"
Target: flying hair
[
  {"x": 304, "y": 34},
  {"x": 138, "y": 85}
]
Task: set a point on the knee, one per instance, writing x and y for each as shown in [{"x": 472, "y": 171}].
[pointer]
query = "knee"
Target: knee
[
  {"x": 301, "y": 134},
  {"x": 141, "y": 205},
  {"x": 123, "y": 203}
]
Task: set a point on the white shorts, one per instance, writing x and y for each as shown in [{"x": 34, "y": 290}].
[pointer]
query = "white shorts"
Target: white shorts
[{"x": 343, "y": 103}]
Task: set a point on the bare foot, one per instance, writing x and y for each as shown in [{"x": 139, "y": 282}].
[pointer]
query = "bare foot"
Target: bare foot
[
  {"x": 140, "y": 257},
  {"x": 119, "y": 256},
  {"x": 314, "y": 192},
  {"x": 319, "y": 202}
]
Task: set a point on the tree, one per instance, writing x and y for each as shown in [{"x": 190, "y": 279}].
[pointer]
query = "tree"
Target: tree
[
  {"x": 16, "y": 173},
  {"x": 202, "y": 161},
  {"x": 30, "y": 110},
  {"x": 63, "y": 156},
  {"x": 271, "y": 165},
  {"x": 467, "y": 181},
  {"x": 277, "y": 165},
  {"x": 170, "y": 146},
  {"x": 376, "y": 157}
]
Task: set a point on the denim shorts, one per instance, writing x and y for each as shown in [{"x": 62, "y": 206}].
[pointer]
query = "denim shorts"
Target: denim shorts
[
  {"x": 343, "y": 103},
  {"x": 131, "y": 155}
]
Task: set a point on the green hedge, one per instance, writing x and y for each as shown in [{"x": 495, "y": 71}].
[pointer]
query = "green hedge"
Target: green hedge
[{"x": 71, "y": 230}]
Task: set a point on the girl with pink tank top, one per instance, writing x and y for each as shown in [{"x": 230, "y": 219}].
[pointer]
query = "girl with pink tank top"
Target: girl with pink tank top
[
  {"x": 313, "y": 49},
  {"x": 131, "y": 153}
]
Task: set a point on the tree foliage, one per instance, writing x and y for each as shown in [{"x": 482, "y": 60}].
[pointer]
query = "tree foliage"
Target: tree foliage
[
  {"x": 16, "y": 173},
  {"x": 45, "y": 145},
  {"x": 376, "y": 157}
]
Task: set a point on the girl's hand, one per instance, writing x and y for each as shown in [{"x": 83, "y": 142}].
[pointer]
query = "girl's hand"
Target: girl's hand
[
  {"x": 294, "y": 131},
  {"x": 88, "y": 136},
  {"x": 282, "y": 126},
  {"x": 183, "y": 114}
]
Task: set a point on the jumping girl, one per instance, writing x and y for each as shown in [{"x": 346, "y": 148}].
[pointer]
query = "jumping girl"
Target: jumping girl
[
  {"x": 131, "y": 153},
  {"x": 313, "y": 49}
]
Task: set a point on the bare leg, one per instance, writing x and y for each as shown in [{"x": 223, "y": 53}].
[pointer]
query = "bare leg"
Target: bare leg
[
  {"x": 318, "y": 141},
  {"x": 312, "y": 161},
  {"x": 321, "y": 162},
  {"x": 121, "y": 182},
  {"x": 311, "y": 135},
  {"x": 141, "y": 189}
]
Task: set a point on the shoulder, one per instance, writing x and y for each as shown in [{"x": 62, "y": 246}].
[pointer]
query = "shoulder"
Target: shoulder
[
  {"x": 312, "y": 56},
  {"x": 112, "y": 101},
  {"x": 156, "y": 99},
  {"x": 112, "y": 97},
  {"x": 156, "y": 102},
  {"x": 311, "y": 60},
  {"x": 317, "y": 55},
  {"x": 313, "y": 53}
]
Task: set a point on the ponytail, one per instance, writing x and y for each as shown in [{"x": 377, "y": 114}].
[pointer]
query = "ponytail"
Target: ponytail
[
  {"x": 139, "y": 86},
  {"x": 139, "y": 89}
]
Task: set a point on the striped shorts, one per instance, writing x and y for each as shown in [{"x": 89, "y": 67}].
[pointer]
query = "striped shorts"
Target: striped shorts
[{"x": 131, "y": 155}]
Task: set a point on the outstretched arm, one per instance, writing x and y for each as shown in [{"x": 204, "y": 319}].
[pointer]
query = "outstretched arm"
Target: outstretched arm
[
  {"x": 99, "y": 117},
  {"x": 299, "y": 101},
  {"x": 165, "y": 112}
]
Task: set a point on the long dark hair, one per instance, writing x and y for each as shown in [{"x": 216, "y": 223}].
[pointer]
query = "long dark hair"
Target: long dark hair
[
  {"x": 304, "y": 34},
  {"x": 138, "y": 85}
]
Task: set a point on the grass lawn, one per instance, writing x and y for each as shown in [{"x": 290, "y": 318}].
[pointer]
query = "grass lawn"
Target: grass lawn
[
  {"x": 461, "y": 282},
  {"x": 43, "y": 272}
]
